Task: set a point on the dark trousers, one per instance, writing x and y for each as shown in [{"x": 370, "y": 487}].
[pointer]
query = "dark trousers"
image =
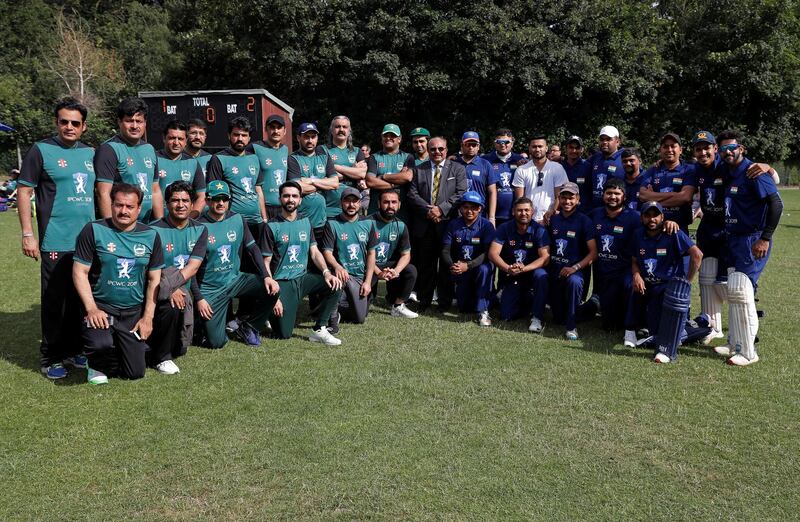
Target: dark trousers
[
  {"x": 292, "y": 293},
  {"x": 565, "y": 299},
  {"x": 115, "y": 351},
  {"x": 60, "y": 309},
  {"x": 432, "y": 274},
  {"x": 165, "y": 342},
  {"x": 523, "y": 295},
  {"x": 474, "y": 288},
  {"x": 248, "y": 286},
  {"x": 400, "y": 287},
  {"x": 614, "y": 292},
  {"x": 646, "y": 309},
  {"x": 352, "y": 306}
]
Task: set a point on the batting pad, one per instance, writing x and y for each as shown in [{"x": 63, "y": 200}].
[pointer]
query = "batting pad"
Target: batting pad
[
  {"x": 675, "y": 309},
  {"x": 710, "y": 297},
  {"x": 742, "y": 317}
]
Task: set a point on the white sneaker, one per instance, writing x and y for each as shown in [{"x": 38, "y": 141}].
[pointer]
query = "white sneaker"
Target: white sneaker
[
  {"x": 571, "y": 335},
  {"x": 715, "y": 334},
  {"x": 484, "y": 319},
  {"x": 723, "y": 350},
  {"x": 535, "y": 326},
  {"x": 401, "y": 310},
  {"x": 324, "y": 336},
  {"x": 741, "y": 360},
  {"x": 413, "y": 297},
  {"x": 95, "y": 377},
  {"x": 168, "y": 367},
  {"x": 661, "y": 358},
  {"x": 630, "y": 339}
]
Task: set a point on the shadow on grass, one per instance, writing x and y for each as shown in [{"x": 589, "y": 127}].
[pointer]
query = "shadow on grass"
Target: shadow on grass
[{"x": 21, "y": 337}]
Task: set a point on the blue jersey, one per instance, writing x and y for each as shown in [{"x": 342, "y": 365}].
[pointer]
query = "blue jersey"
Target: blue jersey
[
  {"x": 632, "y": 187},
  {"x": 663, "y": 179},
  {"x": 569, "y": 236},
  {"x": 502, "y": 176},
  {"x": 614, "y": 236},
  {"x": 521, "y": 248},
  {"x": 468, "y": 241},
  {"x": 580, "y": 174},
  {"x": 660, "y": 257},
  {"x": 602, "y": 169},
  {"x": 479, "y": 176},
  {"x": 711, "y": 183},
  {"x": 746, "y": 200}
]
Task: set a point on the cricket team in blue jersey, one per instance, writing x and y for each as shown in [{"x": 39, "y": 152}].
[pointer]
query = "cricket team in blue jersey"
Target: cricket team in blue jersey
[{"x": 145, "y": 253}]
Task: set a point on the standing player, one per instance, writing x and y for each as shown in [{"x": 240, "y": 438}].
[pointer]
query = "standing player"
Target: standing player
[
  {"x": 389, "y": 169},
  {"x": 195, "y": 140},
  {"x": 348, "y": 161},
  {"x": 419, "y": 144},
  {"x": 752, "y": 211},
  {"x": 116, "y": 271},
  {"x": 127, "y": 158},
  {"x": 578, "y": 170},
  {"x": 520, "y": 250},
  {"x": 632, "y": 164},
  {"x": 288, "y": 245},
  {"x": 60, "y": 171},
  {"x": 241, "y": 171},
  {"x": 346, "y": 250},
  {"x": 273, "y": 156},
  {"x": 540, "y": 180},
  {"x": 605, "y": 163},
  {"x": 574, "y": 249},
  {"x": 176, "y": 165},
  {"x": 661, "y": 285},
  {"x": 504, "y": 164},
  {"x": 464, "y": 252},
  {"x": 480, "y": 176}
]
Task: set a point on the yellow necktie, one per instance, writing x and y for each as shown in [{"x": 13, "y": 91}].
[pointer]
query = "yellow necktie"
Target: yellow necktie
[{"x": 436, "y": 178}]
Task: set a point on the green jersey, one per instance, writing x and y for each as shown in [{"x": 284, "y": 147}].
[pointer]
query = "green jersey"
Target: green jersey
[
  {"x": 227, "y": 240},
  {"x": 319, "y": 166},
  {"x": 243, "y": 174},
  {"x": 273, "y": 166},
  {"x": 63, "y": 178},
  {"x": 185, "y": 168},
  {"x": 390, "y": 240},
  {"x": 202, "y": 159},
  {"x": 288, "y": 242},
  {"x": 348, "y": 240},
  {"x": 347, "y": 158},
  {"x": 118, "y": 162},
  {"x": 182, "y": 244},
  {"x": 380, "y": 164},
  {"x": 119, "y": 262}
]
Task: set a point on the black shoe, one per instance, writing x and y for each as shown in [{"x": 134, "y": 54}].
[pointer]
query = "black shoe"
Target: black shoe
[{"x": 333, "y": 323}]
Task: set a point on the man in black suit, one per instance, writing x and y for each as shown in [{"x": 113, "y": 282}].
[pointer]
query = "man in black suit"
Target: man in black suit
[{"x": 436, "y": 187}]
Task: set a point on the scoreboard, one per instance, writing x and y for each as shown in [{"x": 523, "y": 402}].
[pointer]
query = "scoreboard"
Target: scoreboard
[{"x": 216, "y": 108}]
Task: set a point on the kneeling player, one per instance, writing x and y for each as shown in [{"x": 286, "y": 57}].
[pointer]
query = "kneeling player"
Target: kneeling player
[
  {"x": 660, "y": 286},
  {"x": 465, "y": 244}
]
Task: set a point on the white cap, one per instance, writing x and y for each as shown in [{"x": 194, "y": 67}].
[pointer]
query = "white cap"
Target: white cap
[{"x": 610, "y": 131}]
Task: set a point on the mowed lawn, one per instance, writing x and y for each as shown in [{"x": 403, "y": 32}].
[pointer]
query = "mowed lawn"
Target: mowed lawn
[{"x": 432, "y": 418}]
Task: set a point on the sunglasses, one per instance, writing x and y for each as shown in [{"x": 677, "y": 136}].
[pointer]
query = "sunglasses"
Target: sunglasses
[
  {"x": 437, "y": 149},
  {"x": 729, "y": 147},
  {"x": 64, "y": 123},
  {"x": 220, "y": 198},
  {"x": 472, "y": 144},
  {"x": 502, "y": 142}
]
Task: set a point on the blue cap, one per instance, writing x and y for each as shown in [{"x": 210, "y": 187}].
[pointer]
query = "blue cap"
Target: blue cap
[
  {"x": 307, "y": 127},
  {"x": 703, "y": 137},
  {"x": 472, "y": 197},
  {"x": 470, "y": 135},
  {"x": 652, "y": 205}
]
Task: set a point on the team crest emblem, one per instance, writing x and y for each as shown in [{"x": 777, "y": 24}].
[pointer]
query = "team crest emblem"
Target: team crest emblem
[
  {"x": 124, "y": 266},
  {"x": 320, "y": 169},
  {"x": 284, "y": 161},
  {"x": 111, "y": 247},
  {"x": 89, "y": 166},
  {"x": 235, "y": 170},
  {"x": 148, "y": 163},
  {"x": 192, "y": 244},
  {"x": 224, "y": 254},
  {"x": 247, "y": 184},
  {"x": 650, "y": 266},
  {"x": 162, "y": 173},
  {"x": 392, "y": 237},
  {"x": 62, "y": 163},
  {"x": 231, "y": 235},
  {"x": 303, "y": 236},
  {"x": 186, "y": 175},
  {"x": 399, "y": 166},
  {"x": 294, "y": 253},
  {"x": 702, "y": 135},
  {"x": 180, "y": 261},
  {"x": 130, "y": 162},
  {"x": 351, "y": 158},
  {"x": 362, "y": 236},
  {"x": 252, "y": 170},
  {"x": 561, "y": 245},
  {"x": 606, "y": 242},
  {"x": 79, "y": 178},
  {"x": 139, "y": 250}
]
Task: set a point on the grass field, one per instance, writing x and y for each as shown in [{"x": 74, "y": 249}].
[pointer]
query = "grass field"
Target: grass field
[{"x": 433, "y": 418}]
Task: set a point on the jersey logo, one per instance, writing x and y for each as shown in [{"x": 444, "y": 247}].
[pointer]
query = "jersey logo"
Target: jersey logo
[
  {"x": 247, "y": 184},
  {"x": 519, "y": 256},
  {"x": 353, "y": 250},
  {"x": 267, "y": 162},
  {"x": 111, "y": 247},
  {"x": 458, "y": 239},
  {"x": 130, "y": 162},
  {"x": 90, "y": 167},
  {"x": 294, "y": 253},
  {"x": 191, "y": 244},
  {"x": 570, "y": 233},
  {"x": 148, "y": 163},
  {"x": 528, "y": 244},
  {"x": 362, "y": 236},
  {"x": 53, "y": 255},
  {"x": 512, "y": 242},
  {"x": 278, "y": 175},
  {"x": 305, "y": 168},
  {"x": 162, "y": 173},
  {"x": 650, "y": 266},
  {"x": 142, "y": 177},
  {"x": 139, "y": 250},
  {"x": 476, "y": 172},
  {"x": 466, "y": 252},
  {"x": 284, "y": 162},
  {"x": 124, "y": 266},
  {"x": 224, "y": 253},
  {"x": 79, "y": 178},
  {"x": 717, "y": 181},
  {"x": 231, "y": 235},
  {"x": 303, "y": 236},
  {"x": 344, "y": 236},
  {"x": 381, "y": 164},
  {"x": 351, "y": 158},
  {"x": 212, "y": 240},
  {"x": 601, "y": 180},
  {"x": 235, "y": 170},
  {"x": 392, "y": 236},
  {"x": 320, "y": 169},
  {"x": 62, "y": 163},
  {"x": 677, "y": 181},
  {"x": 186, "y": 175},
  {"x": 661, "y": 251},
  {"x": 580, "y": 181},
  {"x": 399, "y": 166},
  {"x": 285, "y": 238},
  {"x": 334, "y": 157},
  {"x": 180, "y": 261},
  {"x": 727, "y": 207},
  {"x": 252, "y": 170},
  {"x": 606, "y": 242},
  {"x": 710, "y": 192},
  {"x": 612, "y": 168},
  {"x": 170, "y": 247},
  {"x": 618, "y": 229},
  {"x": 734, "y": 191},
  {"x": 561, "y": 244},
  {"x": 382, "y": 250}
]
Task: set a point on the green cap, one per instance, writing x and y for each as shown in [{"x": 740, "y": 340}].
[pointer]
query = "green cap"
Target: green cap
[
  {"x": 217, "y": 188},
  {"x": 391, "y": 128},
  {"x": 420, "y": 131}
]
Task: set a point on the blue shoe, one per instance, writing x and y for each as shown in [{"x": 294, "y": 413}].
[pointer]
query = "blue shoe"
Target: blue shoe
[
  {"x": 54, "y": 371},
  {"x": 94, "y": 377},
  {"x": 79, "y": 361},
  {"x": 247, "y": 334}
]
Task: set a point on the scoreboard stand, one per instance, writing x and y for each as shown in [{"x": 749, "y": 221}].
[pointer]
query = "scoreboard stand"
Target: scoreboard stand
[{"x": 216, "y": 108}]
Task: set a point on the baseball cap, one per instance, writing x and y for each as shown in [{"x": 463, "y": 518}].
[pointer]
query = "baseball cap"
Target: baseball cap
[
  {"x": 307, "y": 127},
  {"x": 570, "y": 187},
  {"x": 218, "y": 188},
  {"x": 472, "y": 197},
  {"x": 610, "y": 131},
  {"x": 350, "y": 191},
  {"x": 275, "y": 118},
  {"x": 470, "y": 136},
  {"x": 672, "y": 136},
  {"x": 417, "y": 131},
  {"x": 391, "y": 128},
  {"x": 576, "y": 139},
  {"x": 652, "y": 205},
  {"x": 703, "y": 137}
]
